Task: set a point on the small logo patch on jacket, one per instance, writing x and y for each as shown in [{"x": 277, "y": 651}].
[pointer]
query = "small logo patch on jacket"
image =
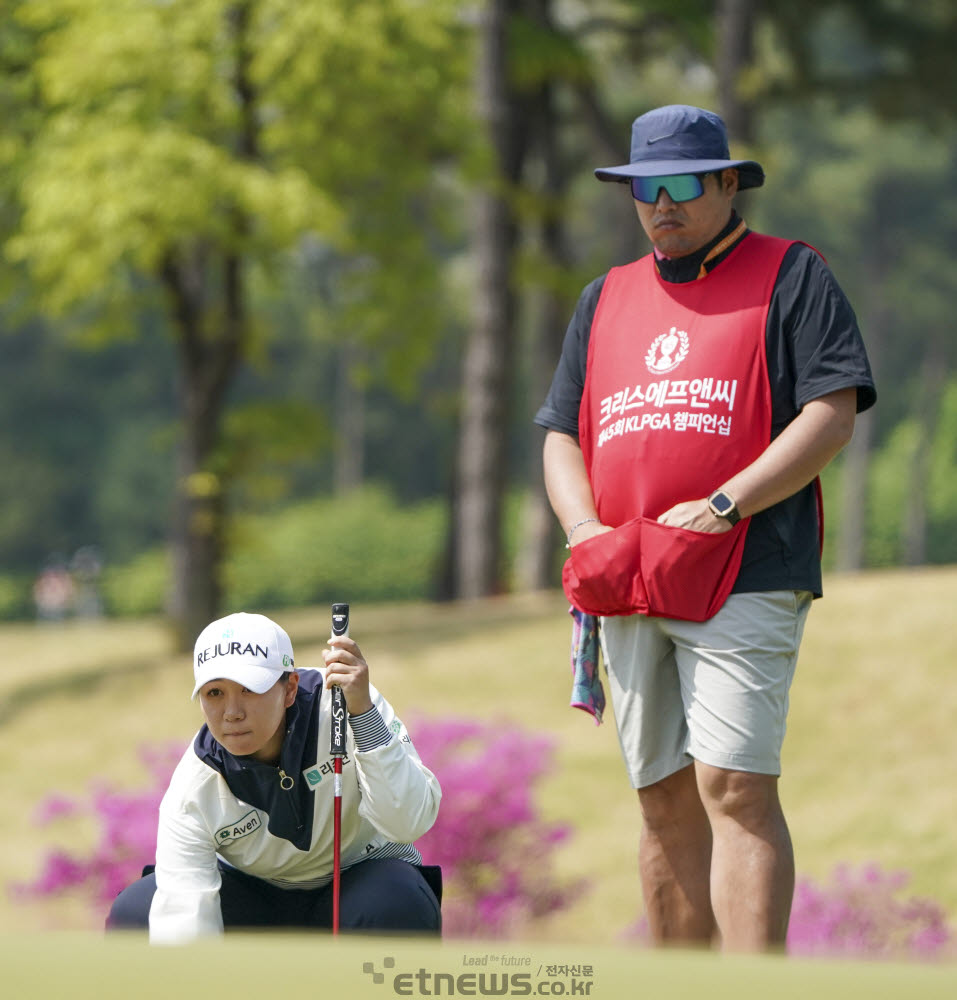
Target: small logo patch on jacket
[
  {"x": 314, "y": 775},
  {"x": 250, "y": 823}
]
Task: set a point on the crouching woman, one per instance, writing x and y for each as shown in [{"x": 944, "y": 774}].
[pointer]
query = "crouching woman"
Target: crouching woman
[{"x": 245, "y": 836}]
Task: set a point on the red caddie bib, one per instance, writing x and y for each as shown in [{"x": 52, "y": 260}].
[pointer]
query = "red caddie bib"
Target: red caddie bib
[{"x": 676, "y": 401}]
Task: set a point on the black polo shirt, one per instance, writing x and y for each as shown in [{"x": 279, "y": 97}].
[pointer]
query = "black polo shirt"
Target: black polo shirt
[{"x": 814, "y": 347}]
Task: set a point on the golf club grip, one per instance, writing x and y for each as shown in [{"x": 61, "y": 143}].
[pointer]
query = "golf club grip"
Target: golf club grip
[{"x": 340, "y": 626}]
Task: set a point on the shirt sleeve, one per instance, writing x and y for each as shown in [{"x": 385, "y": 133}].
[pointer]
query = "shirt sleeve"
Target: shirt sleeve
[
  {"x": 186, "y": 903},
  {"x": 400, "y": 795},
  {"x": 559, "y": 412},
  {"x": 814, "y": 344}
]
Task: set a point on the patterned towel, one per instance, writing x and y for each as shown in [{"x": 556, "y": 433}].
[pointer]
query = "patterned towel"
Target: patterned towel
[{"x": 587, "y": 691}]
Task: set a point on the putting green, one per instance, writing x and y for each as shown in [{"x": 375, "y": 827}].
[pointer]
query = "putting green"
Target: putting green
[{"x": 57, "y": 966}]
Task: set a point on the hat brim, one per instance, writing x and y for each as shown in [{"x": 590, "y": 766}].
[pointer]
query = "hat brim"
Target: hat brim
[
  {"x": 750, "y": 173},
  {"x": 253, "y": 676}
]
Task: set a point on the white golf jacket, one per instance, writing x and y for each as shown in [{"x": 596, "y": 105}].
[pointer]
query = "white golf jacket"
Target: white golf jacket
[{"x": 235, "y": 809}]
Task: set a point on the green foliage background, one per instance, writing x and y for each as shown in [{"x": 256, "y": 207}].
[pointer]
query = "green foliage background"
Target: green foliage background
[{"x": 123, "y": 142}]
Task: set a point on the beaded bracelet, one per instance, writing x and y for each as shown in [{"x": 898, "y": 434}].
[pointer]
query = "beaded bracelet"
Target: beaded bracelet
[{"x": 575, "y": 527}]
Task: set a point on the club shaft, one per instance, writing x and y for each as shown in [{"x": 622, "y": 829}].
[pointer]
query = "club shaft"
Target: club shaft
[
  {"x": 340, "y": 627},
  {"x": 337, "y": 847}
]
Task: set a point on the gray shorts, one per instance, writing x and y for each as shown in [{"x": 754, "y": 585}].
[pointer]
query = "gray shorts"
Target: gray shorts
[{"x": 714, "y": 691}]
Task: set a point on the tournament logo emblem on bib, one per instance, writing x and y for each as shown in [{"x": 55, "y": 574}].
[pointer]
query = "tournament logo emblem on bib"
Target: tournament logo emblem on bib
[{"x": 667, "y": 351}]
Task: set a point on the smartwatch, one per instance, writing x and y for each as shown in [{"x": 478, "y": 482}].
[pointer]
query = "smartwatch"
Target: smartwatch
[{"x": 722, "y": 505}]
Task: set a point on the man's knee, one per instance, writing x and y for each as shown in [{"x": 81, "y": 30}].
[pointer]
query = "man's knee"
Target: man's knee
[
  {"x": 740, "y": 795},
  {"x": 673, "y": 802}
]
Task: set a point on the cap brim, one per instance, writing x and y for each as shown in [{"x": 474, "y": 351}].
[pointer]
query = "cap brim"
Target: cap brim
[
  {"x": 255, "y": 677},
  {"x": 750, "y": 173}
]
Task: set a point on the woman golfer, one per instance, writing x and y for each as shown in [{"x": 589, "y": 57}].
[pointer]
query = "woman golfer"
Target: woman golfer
[{"x": 245, "y": 835}]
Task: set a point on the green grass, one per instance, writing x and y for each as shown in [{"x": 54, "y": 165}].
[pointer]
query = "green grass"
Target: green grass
[{"x": 867, "y": 762}]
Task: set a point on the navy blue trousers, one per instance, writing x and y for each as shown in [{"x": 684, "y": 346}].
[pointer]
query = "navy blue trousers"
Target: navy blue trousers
[{"x": 383, "y": 895}]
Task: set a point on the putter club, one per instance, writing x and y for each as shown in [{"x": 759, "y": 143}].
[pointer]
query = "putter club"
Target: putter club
[{"x": 340, "y": 626}]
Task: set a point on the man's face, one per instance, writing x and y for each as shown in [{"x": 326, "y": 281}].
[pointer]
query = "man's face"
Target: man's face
[
  {"x": 245, "y": 723},
  {"x": 678, "y": 228}
]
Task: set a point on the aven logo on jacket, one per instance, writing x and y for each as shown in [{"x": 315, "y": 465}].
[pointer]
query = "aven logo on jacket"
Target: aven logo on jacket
[{"x": 250, "y": 823}]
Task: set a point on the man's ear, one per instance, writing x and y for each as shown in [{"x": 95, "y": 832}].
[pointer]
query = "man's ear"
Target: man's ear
[{"x": 729, "y": 181}]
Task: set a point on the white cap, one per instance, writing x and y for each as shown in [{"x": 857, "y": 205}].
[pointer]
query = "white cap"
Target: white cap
[{"x": 251, "y": 650}]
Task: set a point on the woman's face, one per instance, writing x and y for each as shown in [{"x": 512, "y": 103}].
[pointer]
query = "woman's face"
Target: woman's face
[{"x": 245, "y": 723}]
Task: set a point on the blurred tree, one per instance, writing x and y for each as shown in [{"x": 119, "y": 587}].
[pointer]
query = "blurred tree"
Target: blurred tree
[
  {"x": 490, "y": 348},
  {"x": 556, "y": 71},
  {"x": 552, "y": 60},
  {"x": 873, "y": 81},
  {"x": 186, "y": 146},
  {"x": 178, "y": 153},
  {"x": 894, "y": 57},
  {"x": 528, "y": 66}
]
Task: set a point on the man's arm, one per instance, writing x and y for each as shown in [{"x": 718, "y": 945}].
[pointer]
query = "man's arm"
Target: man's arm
[
  {"x": 788, "y": 464},
  {"x": 568, "y": 488}
]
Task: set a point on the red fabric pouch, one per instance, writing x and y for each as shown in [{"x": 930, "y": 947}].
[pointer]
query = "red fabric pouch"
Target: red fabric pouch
[{"x": 648, "y": 568}]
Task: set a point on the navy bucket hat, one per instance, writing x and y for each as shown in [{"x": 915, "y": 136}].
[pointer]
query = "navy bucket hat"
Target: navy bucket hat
[{"x": 680, "y": 139}]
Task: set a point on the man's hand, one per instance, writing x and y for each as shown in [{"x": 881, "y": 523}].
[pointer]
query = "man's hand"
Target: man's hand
[
  {"x": 695, "y": 515},
  {"x": 346, "y": 667}
]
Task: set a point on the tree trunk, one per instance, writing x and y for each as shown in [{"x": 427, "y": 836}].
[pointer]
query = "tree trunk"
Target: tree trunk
[
  {"x": 210, "y": 318},
  {"x": 350, "y": 419},
  {"x": 734, "y": 30},
  {"x": 540, "y": 533},
  {"x": 734, "y": 23},
  {"x": 852, "y": 536},
  {"x": 207, "y": 367},
  {"x": 851, "y": 550},
  {"x": 489, "y": 354},
  {"x": 877, "y": 259},
  {"x": 933, "y": 379},
  {"x": 195, "y": 596}
]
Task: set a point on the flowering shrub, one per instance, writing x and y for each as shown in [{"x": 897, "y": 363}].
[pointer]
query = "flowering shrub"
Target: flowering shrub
[
  {"x": 127, "y": 834},
  {"x": 493, "y": 847},
  {"x": 859, "y": 913}
]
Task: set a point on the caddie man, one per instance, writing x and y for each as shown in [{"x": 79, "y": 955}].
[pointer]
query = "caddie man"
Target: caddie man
[{"x": 700, "y": 391}]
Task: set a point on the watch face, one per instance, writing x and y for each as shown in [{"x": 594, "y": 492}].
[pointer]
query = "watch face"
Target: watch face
[{"x": 722, "y": 503}]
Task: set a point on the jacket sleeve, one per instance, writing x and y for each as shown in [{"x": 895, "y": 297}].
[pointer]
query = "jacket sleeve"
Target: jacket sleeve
[
  {"x": 186, "y": 903},
  {"x": 400, "y": 795}
]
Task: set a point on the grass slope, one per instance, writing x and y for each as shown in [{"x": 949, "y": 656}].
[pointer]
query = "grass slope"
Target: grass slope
[{"x": 869, "y": 749}]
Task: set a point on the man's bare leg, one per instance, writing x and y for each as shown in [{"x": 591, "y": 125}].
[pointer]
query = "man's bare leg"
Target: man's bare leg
[
  {"x": 674, "y": 860},
  {"x": 752, "y": 860}
]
